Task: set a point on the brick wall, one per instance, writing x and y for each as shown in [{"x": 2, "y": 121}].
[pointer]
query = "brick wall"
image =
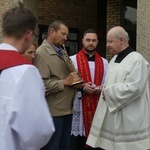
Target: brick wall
[
  {"x": 76, "y": 13},
  {"x": 113, "y": 17},
  {"x": 32, "y": 5},
  {"x": 7, "y": 4},
  {"x": 4, "y": 5}
]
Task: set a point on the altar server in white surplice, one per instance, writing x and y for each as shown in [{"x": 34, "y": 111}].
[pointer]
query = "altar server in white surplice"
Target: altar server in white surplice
[
  {"x": 124, "y": 105},
  {"x": 25, "y": 120},
  {"x": 92, "y": 68}
]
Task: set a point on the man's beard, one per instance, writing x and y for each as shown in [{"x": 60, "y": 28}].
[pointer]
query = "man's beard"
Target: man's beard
[{"x": 90, "y": 51}]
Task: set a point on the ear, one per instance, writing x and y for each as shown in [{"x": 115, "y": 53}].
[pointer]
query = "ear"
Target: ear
[
  {"x": 121, "y": 39},
  {"x": 28, "y": 35},
  {"x": 52, "y": 31}
]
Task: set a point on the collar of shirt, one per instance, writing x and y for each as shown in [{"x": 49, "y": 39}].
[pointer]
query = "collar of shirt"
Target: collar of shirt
[
  {"x": 5, "y": 46},
  {"x": 90, "y": 57},
  {"x": 123, "y": 54},
  {"x": 58, "y": 50}
]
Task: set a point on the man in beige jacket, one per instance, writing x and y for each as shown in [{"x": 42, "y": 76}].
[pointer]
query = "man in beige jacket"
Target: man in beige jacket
[{"x": 56, "y": 69}]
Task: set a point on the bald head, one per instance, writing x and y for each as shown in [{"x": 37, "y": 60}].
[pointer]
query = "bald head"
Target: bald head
[
  {"x": 117, "y": 40},
  {"x": 119, "y": 32}
]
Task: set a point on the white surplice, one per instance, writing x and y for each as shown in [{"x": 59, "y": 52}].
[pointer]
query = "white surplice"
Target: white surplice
[
  {"x": 122, "y": 121},
  {"x": 77, "y": 122},
  {"x": 25, "y": 120}
]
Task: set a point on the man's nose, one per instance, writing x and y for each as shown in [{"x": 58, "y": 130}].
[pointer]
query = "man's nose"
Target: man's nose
[
  {"x": 91, "y": 42},
  {"x": 65, "y": 37}
]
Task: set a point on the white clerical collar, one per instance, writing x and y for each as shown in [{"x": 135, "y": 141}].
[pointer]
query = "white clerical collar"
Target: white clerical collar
[
  {"x": 90, "y": 55},
  {"x": 5, "y": 46}
]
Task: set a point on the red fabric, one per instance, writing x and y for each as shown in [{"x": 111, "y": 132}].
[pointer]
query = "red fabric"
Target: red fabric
[
  {"x": 10, "y": 58},
  {"x": 89, "y": 101}
]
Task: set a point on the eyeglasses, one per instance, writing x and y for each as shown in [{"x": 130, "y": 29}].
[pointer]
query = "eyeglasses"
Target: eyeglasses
[{"x": 34, "y": 37}]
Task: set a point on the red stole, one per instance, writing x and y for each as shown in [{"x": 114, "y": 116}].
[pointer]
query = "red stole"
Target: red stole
[
  {"x": 89, "y": 101},
  {"x": 11, "y": 58}
]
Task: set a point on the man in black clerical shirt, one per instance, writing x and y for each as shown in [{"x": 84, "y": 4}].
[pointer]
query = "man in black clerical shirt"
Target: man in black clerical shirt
[{"x": 92, "y": 68}]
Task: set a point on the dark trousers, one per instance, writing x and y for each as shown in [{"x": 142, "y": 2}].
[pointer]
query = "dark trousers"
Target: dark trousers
[
  {"x": 78, "y": 143},
  {"x": 61, "y": 137}
]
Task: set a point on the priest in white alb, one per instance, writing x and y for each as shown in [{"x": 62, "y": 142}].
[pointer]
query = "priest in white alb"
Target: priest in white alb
[{"x": 122, "y": 118}]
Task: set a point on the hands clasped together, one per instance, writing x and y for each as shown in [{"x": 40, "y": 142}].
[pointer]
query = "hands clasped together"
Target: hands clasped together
[{"x": 91, "y": 88}]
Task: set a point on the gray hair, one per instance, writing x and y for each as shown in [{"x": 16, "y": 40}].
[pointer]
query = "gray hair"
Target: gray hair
[{"x": 121, "y": 33}]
